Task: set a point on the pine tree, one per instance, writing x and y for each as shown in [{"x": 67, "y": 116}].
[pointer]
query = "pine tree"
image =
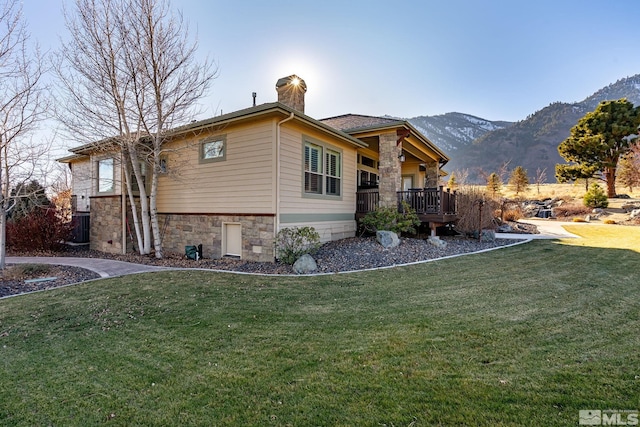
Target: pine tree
[
  {"x": 598, "y": 141},
  {"x": 452, "y": 183},
  {"x": 494, "y": 184},
  {"x": 519, "y": 180}
]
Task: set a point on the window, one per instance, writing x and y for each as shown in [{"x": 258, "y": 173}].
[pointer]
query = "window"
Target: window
[
  {"x": 163, "y": 165},
  {"x": 333, "y": 170},
  {"x": 322, "y": 170},
  {"x": 106, "y": 173},
  {"x": 213, "y": 150},
  {"x": 312, "y": 168}
]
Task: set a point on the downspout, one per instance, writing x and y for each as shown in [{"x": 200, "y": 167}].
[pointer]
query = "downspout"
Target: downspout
[{"x": 277, "y": 221}]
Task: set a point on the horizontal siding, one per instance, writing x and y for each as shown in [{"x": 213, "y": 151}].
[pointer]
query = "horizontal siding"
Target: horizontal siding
[
  {"x": 292, "y": 200},
  {"x": 242, "y": 183},
  {"x": 331, "y": 230}
]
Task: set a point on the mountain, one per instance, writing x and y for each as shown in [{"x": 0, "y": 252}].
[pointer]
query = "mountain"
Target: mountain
[
  {"x": 532, "y": 143},
  {"x": 453, "y": 130}
]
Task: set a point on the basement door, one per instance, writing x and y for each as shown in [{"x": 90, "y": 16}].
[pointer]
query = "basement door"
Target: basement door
[{"x": 232, "y": 241}]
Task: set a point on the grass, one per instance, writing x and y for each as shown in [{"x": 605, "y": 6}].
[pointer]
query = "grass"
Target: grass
[{"x": 527, "y": 335}]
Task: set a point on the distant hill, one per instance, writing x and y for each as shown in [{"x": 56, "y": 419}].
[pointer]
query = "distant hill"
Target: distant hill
[{"x": 474, "y": 143}]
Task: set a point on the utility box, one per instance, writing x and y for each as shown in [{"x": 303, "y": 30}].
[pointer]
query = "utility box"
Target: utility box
[{"x": 81, "y": 224}]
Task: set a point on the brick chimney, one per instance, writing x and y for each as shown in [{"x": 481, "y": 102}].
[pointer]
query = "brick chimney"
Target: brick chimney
[{"x": 291, "y": 92}]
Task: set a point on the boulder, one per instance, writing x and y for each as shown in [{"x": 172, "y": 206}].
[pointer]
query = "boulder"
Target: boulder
[
  {"x": 505, "y": 228},
  {"x": 628, "y": 207},
  {"x": 305, "y": 265},
  {"x": 531, "y": 210},
  {"x": 437, "y": 242},
  {"x": 488, "y": 236},
  {"x": 634, "y": 214},
  {"x": 388, "y": 239}
]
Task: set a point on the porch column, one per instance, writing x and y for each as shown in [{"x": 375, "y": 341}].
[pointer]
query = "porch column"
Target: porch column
[
  {"x": 390, "y": 169},
  {"x": 432, "y": 174}
]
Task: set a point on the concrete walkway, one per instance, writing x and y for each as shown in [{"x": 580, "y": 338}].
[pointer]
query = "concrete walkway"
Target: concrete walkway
[
  {"x": 547, "y": 229},
  {"x": 104, "y": 267}
]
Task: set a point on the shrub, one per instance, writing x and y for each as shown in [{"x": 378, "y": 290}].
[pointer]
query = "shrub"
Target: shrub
[
  {"x": 404, "y": 220},
  {"x": 292, "y": 243},
  {"x": 41, "y": 229},
  {"x": 596, "y": 197},
  {"x": 469, "y": 201},
  {"x": 570, "y": 209},
  {"x": 609, "y": 221},
  {"x": 512, "y": 213},
  {"x": 578, "y": 219}
]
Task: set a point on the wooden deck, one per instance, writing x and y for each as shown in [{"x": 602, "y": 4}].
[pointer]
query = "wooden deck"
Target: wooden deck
[{"x": 432, "y": 205}]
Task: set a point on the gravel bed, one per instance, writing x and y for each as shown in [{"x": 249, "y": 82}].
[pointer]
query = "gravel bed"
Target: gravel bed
[
  {"x": 64, "y": 275},
  {"x": 356, "y": 253}
]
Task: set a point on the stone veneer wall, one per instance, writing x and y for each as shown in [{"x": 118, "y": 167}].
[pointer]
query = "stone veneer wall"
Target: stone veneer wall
[
  {"x": 390, "y": 169},
  {"x": 179, "y": 230},
  {"x": 106, "y": 224},
  {"x": 432, "y": 175}
]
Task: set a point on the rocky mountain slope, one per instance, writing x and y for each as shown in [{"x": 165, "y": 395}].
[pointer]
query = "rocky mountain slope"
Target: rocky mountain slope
[{"x": 477, "y": 144}]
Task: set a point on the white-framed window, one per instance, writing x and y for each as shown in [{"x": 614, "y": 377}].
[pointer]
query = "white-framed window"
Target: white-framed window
[
  {"x": 322, "y": 170},
  {"x": 333, "y": 171},
  {"x": 213, "y": 149},
  {"x": 106, "y": 175},
  {"x": 312, "y": 168}
]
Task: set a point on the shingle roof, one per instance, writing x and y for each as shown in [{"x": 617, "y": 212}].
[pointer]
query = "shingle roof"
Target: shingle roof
[{"x": 351, "y": 122}]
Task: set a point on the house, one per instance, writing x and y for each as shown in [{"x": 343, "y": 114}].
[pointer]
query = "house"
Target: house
[{"x": 232, "y": 181}]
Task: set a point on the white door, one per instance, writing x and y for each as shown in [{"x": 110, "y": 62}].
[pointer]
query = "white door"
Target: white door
[{"x": 232, "y": 240}]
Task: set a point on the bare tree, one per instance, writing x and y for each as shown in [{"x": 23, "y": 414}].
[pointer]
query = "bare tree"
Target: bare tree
[
  {"x": 129, "y": 74},
  {"x": 99, "y": 106},
  {"x": 22, "y": 107},
  {"x": 540, "y": 178},
  {"x": 167, "y": 80}
]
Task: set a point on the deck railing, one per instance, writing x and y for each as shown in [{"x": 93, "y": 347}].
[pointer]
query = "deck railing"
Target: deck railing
[{"x": 425, "y": 201}]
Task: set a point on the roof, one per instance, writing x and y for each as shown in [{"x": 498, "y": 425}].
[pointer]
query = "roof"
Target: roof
[
  {"x": 356, "y": 123},
  {"x": 245, "y": 114}
]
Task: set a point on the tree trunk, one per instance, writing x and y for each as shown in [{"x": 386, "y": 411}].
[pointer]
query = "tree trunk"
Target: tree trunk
[
  {"x": 610, "y": 176},
  {"x": 155, "y": 226},
  {"x": 3, "y": 237}
]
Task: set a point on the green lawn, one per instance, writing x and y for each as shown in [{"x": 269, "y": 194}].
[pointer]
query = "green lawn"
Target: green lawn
[{"x": 527, "y": 335}]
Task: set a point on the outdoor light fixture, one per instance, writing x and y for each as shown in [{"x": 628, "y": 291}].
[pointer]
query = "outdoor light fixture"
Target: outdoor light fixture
[{"x": 401, "y": 157}]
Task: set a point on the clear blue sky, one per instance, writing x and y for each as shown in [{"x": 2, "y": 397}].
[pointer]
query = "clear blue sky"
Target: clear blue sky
[{"x": 496, "y": 59}]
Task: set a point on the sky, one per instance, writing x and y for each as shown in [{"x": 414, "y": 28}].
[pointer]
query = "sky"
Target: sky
[{"x": 495, "y": 59}]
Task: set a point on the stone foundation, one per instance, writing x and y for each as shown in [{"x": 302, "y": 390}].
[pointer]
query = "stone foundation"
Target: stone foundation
[
  {"x": 179, "y": 230},
  {"x": 106, "y": 224}
]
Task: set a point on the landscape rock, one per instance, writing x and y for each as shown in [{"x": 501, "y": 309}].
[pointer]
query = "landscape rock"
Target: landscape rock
[
  {"x": 305, "y": 265},
  {"x": 488, "y": 236},
  {"x": 388, "y": 239},
  {"x": 437, "y": 242},
  {"x": 505, "y": 228},
  {"x": 628, "y": 207},
  {"x": 532, "y": 210},
  {"x": 634, "y": 214}
]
